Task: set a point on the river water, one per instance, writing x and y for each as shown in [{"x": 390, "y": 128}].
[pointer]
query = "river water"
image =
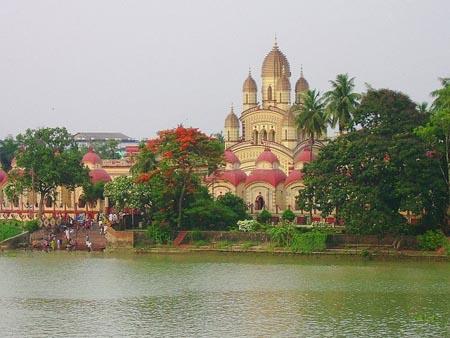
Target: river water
[{"x": 220, "y": 295}]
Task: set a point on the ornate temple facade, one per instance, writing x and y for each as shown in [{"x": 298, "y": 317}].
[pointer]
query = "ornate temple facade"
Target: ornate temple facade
[{"x": 265, "y": 151}]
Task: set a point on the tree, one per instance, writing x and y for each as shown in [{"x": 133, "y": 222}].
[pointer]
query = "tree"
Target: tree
[
  {"x": 234, "y": 203},
  {"x": 373, "y": 175},
  {"x": 48, "y": 158},
  {"x": 341, "y": 102},
  {"x": 184, "y": 156},
  {"x": 311, "y": 118},
  {"x": 436, "y": 133},
  {"x": 8, "y": 148}
]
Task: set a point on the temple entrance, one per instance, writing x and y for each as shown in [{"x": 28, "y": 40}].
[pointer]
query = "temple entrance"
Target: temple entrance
[{"x": 259, "y": 202}]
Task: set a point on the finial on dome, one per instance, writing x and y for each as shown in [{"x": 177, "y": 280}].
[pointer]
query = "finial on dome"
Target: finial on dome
[
  {"x": 249, "y": 71},
  {"x": 275, "y": 44},
  {"x": 232, "y": 107},
  {"x": 301, "y": 70}
]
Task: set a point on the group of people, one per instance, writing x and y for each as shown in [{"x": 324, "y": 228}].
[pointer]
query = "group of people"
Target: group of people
[{"x": 52, "y": 243}]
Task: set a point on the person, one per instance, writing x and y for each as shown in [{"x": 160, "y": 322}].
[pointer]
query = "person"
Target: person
[
  {"x": 58, "y": 244},
  {"x": 100, "y": 225},
  {"x": 67, "y": 231},
  {"x": 88, "y": 243}
]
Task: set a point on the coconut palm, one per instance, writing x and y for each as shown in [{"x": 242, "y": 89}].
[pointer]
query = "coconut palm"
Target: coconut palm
[
  {"x": 341, "y": 102},
  {"x": 423, "y": 108},
  {"x": 311, "y": 119}
]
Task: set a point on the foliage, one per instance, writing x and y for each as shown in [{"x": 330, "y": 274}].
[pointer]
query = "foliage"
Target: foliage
[
  {"x": 264, "y": 217},
  {"x": 234, "y": 203},
  {"x": 369, "y": 176},
  {"x": 282, "y": 235},
  {"x": 93, "y": 191},
  {"x": 8, "y": 148},
  {"x": 248, "y": 225},
  {"x": 432, "y": 240},
  {"x": 200, "y": 242},
  {"x": 184, "y": 155},
  {"x": 105, "y": 149},
  {"x": 160, "y": 233},
  {"x": 247, "y": 245},
  {"x": 196, "y": 235},
  {"x": 341, "y": 102},
  {"x": 311, "y": 118},
  {"x": 31, "y": 226},
  {"x": 307, "y": 242},
  {"x": 145, "y": 161},
  {"x": 288, "y": 215},
  {"x": 48, "y": 158},
  {"x": 223, "y": 244},
  {"x": 9, "y": 228}
]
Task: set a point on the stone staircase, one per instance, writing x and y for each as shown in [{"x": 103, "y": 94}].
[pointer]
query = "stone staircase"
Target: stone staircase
[{"x": 98, "y": 240}]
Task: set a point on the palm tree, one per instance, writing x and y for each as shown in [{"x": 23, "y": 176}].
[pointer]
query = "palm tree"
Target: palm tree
[
  {"x": 423, "y": 108},
  {"x": 341, "y": 102},
  {"x": 311, "y": 119}
]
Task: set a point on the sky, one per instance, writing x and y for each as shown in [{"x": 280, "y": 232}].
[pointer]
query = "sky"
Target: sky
[{"x": 141, "y": 66}]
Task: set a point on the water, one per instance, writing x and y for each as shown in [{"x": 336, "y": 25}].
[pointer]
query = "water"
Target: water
[{"x": 221, "y": 295}]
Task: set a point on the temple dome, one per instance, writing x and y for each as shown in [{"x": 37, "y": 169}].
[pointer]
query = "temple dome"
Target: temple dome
[
  {"x": 230, "y": 157},
  {"x": 249, "y": 84},
  {"x": 231, "y": 121},
  {"x": 271, "y": 176},
  {"x": 275, "y": 64},
  {"x": 304, "y": 155},
  {"x": 91, "y": 157},
  {"x": 302, "y": 85},
  {"x": 99, "y": 175},
  {"x": 267, "y": 156},
  {"x": 283, "y": 84},
  {"x": 295, "y": 176}
]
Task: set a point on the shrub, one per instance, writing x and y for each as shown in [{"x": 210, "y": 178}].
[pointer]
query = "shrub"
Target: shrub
[
  {"x": 200, "y": 242},
  {"x": 9, "y": 228},
  {"x": 159, "y": 233},
  {"x": 308, "y": 242},
  {"x": 223, "y": 244},
  {"x": 248, "y": 225},
  {"x": 281, "y": 235},
  {"x": 196, "y": 235},
  {"x": 31, "y": 226},
  {"x": 432, "y": 240},
  {"x": 264, "y": 217},
  {"x": 288, "y": 215},
  {"x": 247, "y": 245}
]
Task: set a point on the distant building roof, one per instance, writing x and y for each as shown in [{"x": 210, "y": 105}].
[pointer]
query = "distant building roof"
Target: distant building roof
[{"x": 100, "y": 136}]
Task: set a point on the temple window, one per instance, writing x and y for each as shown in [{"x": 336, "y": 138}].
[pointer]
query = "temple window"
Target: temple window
[{"x": 269, "y": 93}]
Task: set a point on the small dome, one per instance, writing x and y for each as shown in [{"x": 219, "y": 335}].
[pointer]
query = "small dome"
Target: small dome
[
  {"x": 91, "y": 158},
  {"x": 301, "y": 85},
  {"x": 271, "y": 176},
  {"x": 99, "y": 175},
  {"x": 283, "y": 84},
  {"x": 304, "y": 155},
  {"x": 275, "y": 64},
  {"x": 3, "y": 177},
  {"x": 234, "y": 177},
  {"x": 231, "y": 157},
  {"x": 289, "y": 120},
  {"x": 249, "y": 84},
  {"x": 232, "y": 120},
  {"x": 267, "y": 156},
  {"x": 294, "y": 176}
]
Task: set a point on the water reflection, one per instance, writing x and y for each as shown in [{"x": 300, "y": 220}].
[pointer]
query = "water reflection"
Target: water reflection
[{"x": 220, "y": 296}]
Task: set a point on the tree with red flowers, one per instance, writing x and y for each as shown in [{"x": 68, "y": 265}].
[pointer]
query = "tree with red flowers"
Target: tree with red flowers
[{"x": 183, "y": 156}]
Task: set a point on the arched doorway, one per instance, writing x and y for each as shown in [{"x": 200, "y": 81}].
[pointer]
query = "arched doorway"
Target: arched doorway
[
  {"x": 255, "y": 136},
  {"x": 263, "y": 135},
  {"x": 259, "y": 202},
  {"x": 272, "y": 135}
]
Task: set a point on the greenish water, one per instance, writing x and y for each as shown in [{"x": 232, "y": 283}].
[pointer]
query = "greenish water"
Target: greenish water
[{"x": 221, "y": 295}]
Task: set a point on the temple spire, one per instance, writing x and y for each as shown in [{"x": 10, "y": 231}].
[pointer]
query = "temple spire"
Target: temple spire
[{"x": 275, "y": 43}]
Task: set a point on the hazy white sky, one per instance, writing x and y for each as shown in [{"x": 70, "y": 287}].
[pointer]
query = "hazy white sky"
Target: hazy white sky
[{"x": 140, "y": 66}]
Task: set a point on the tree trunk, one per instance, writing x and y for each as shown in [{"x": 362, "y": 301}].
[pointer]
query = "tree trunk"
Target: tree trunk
[
  {"x": 180, "y": 205},
  {"x": 310, "y": 199},
  {"x": 41, "y": 205}
]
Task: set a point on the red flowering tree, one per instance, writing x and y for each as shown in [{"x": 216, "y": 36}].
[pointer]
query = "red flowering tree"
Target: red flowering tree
[{"x": 183, "y": 156}]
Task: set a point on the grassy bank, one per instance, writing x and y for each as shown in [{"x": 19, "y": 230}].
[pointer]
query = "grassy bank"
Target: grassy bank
[{"x": 11, "y": 228}]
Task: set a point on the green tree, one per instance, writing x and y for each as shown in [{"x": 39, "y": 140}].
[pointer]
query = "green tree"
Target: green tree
[
  {"x": 311, "y": 115},
  {"x": 370, "y": 176},
  {"x": 436, "y": 133},
  {"x": 184, "y": 156},
  {"x": 48, "y": 158},
  {"x": 341, "y": 102},
  {"x": 234, "y": 203},
  {"x": 8, "y": 148}
]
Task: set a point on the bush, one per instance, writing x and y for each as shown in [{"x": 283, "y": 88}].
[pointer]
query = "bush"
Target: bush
[
  {"x": 248, "y": 225},
  {"x": 308, "y": 242},
  {"x": 288, "y": 215},
  {"x": 282, "y": 235},
  {"x": 264, "y": 217},
  {"x": 159, "y": 233},
  {"x": 9, "y": 228},
  {"x": 31, "y": 226},
  {"x": 196, "y": 235},
  {"x": 432, "y": 240}
]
